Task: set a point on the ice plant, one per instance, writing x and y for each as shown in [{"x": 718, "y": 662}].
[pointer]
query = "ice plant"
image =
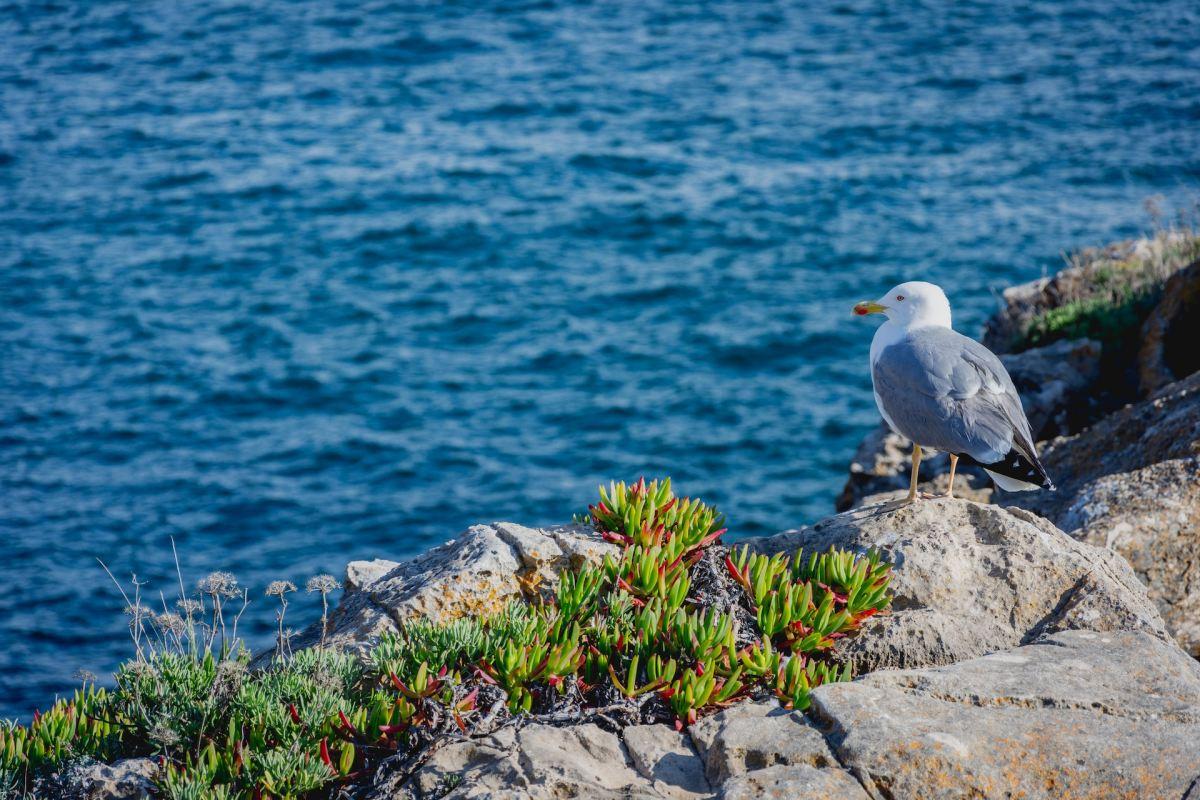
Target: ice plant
[
  {"x": 649, "y": 515},
  {"x": 632, "y": 633},
  {"x": 796, "y": 680}
]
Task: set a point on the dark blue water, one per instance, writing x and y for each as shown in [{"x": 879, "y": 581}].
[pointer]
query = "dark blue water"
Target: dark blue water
[{"x": 300, "y": 282}]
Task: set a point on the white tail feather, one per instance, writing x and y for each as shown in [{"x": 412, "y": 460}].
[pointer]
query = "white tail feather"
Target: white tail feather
[{"x": 1011, "y": 484}]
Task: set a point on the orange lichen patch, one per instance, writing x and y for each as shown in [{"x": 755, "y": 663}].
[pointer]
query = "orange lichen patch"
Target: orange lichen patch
[
  {"x": 458, "y": 597},
  {"x": 529, "y": 584},
  {"x": 1036, "y": 764}
]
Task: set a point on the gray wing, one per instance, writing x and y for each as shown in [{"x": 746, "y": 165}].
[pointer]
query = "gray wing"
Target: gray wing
[{"x": 948, "y": 392}]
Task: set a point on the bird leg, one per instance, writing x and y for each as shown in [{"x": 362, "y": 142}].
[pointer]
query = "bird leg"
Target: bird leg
[
  {"x": 953, "y": 466},
  {"x": 916, "y": 467}
]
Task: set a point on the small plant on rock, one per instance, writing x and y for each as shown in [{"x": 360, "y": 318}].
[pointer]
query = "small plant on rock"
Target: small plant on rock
[{"x": 624, "y": 641}]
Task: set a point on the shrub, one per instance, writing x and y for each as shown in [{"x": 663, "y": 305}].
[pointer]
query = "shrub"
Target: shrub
[
  {"x": 623, "y": 639},
  {"x": 1119, "y": 286}
]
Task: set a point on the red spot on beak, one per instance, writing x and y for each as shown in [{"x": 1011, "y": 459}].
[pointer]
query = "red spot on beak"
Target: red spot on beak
[{"x": 868, "y": 307}]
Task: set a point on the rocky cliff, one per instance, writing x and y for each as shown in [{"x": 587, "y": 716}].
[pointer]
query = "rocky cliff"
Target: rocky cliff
[
  {"x": 1033, "y": 645},
  {"x": 1016, "y": 660},
  {"x": 1036, "y": 646}
]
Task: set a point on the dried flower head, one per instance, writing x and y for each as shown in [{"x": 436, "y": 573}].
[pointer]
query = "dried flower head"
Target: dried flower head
[
  {"x": 170, "y": 622},
  {"x": 229, "y": 677},
  {"x": 139, "y": 669},
  {"x": 280, "y": 588},
  {"x": 220, "y": 584},
  {"x": 322, "y": 583},
  {"x": 189, "y": 607},
  {"x": 163, "y": 735},
  {"x": 85, "y": 676},
  {"x": 138, "y": 611},
  {"x": 229, "y": 668}
]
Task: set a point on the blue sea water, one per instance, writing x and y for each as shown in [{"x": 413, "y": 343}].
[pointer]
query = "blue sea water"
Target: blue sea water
[{"x": 297, "y": 282}]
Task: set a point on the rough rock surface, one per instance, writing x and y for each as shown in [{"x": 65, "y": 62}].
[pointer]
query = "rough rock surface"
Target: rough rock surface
[
  {"x": 1030, "y": 665},
  {"x": 1132, "y": 482},
  {"x": 1076, "y": 715},
  {"x": 972, "y": 579},
  {"x": 1169, "y": 335},
  {"x": 749, "y": 749},
  {"x": 360, "y": 574},
  {"x": 1055, "y": 383},
  {"x": 759, "y": 749},
  {"x": 1151, "y": 516},
  {"x": 795, "y": 783},
  {"x": 751, "y": 736},
  {"x": 477, "y": 573},
  {"x": 1164, "y": 427},
  {"x": 541, "y": 761},
  {"x": 128, "y": 779},
  {"x": 667, "y": 758}
]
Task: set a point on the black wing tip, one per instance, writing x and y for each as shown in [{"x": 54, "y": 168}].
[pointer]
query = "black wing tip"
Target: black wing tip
[{"x": 1018, "y": 466}]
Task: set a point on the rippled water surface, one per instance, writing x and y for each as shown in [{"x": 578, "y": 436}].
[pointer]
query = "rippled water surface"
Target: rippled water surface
[{"x": 300, "y": 282}]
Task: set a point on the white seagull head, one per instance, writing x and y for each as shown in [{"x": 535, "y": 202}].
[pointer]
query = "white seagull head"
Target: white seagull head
[{"x": 914, "y": 304}]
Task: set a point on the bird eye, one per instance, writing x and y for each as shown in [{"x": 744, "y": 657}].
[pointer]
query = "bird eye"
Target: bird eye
[{"x": 899, "y": 297}]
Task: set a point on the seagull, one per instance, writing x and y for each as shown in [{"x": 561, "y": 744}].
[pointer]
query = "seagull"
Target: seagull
[{"x": 946, "y": 392}]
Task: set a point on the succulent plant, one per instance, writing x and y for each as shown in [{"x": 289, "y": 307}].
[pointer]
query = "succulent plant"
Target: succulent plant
[
  {"x": 808, "y": 603},
  {"x": 318, "y": 718},
  {"x": 699, "y": 687},
  {"x": 650, "y": 515},
  {"x": 82, "y": 725},
  {"x": 799, "y": 676}
]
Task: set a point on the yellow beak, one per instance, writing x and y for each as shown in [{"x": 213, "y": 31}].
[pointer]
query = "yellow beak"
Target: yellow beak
[{"x": 869, "y": 307}]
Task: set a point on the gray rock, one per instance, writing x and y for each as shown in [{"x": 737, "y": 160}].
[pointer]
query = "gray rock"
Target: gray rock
[
  {"x": 1130, "y": 482},
  {"x": 971, "y": 579},
  {"x": 460, "y": 765},
  {"x": 1169, "y": 335},
  {"x": 800, "y": 782},
  {"x": 582, "y": 759},
  {"x": 667, "y": 758},
  {"x": 360, "y": 574},
  {"x": 1163, "y": 427},
  {"x": 1021, "y": 304},
  {"x": 537, "y": 762},
  {"x": 478, "y": 573},
  {"x": 752, "y": 736},
  {"x": 1151, "y": 516},
  {"x": 1079, "y": 714},
  {"x": 128, "y": 779},
  {"x": 1056, "y": 383},
  {"x": 1143, "y": 264}
]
